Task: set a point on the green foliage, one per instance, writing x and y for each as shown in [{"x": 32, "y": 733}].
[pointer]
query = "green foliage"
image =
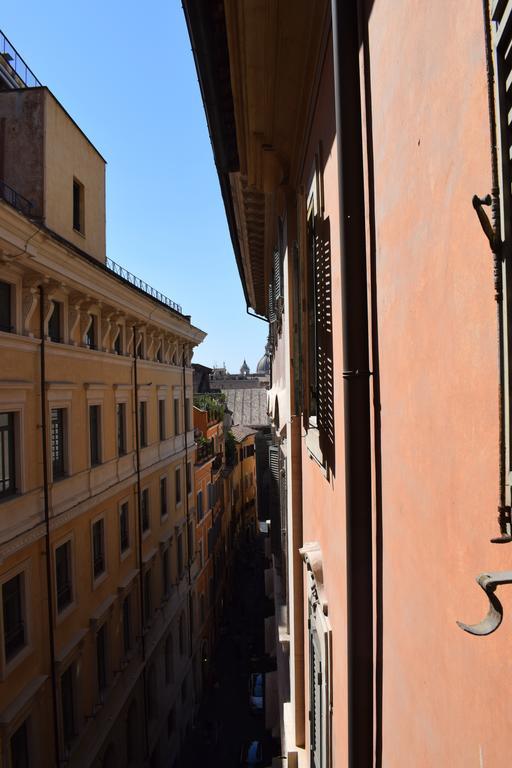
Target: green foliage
[{"x": 215, "y": 404}]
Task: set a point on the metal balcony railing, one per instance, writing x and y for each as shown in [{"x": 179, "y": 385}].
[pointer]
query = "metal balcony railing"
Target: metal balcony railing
[
  {"x": 204, "y": 452},
  {"x": 16, "y": 65},
  {"x": 15, "y": 199},
  {"x": 120, "y": 271}
]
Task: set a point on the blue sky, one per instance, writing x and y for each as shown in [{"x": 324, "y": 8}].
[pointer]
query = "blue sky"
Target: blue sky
[{"x": 124, "y": 71}]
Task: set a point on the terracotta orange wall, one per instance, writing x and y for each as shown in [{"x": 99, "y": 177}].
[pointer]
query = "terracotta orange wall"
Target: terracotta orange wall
[{"x": 445, "y": 693}]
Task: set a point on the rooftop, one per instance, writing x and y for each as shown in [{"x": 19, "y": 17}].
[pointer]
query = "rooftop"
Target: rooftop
[
  {"x": 248, "y": 406},
  {"x": 240, "y": 433},
  {"x": 14, "y": 71}
]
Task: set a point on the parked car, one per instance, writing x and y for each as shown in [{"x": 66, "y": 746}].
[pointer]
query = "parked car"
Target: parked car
[
  {"x": 256, "y": 692},
  {"x": 251, "y": 755}
]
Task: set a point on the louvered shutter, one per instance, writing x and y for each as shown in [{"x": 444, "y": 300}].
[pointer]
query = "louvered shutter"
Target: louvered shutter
[
  {"x": 324, "y": 342},
  {"x": 278, "y": 286},
  {"x": 274, "y": 499},
  {"x": 271, "y": 304},
  {"x": 316, "y": 735}
]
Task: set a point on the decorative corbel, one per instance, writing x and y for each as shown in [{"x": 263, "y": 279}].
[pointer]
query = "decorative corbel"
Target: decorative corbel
[
  {"x": 489, "y": 582},
  {"x": 30, "y": 303},
  {"x": 151, "y": 345},
  {"x": 75, "y": 315},
  {"x": 311, "y": 553},
  {"x": 106, "y": 330}
]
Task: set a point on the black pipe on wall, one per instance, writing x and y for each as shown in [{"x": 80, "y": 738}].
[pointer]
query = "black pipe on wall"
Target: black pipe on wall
[{"x": 356, "y": 387}]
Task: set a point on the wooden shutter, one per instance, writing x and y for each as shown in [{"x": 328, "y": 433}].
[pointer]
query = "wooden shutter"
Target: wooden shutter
[
  {"x": 278, "y": 282},
  {"x": 324, "y": 343},
  {"x": 315, "y": 705},
  {"x": 274, "y": 499}
]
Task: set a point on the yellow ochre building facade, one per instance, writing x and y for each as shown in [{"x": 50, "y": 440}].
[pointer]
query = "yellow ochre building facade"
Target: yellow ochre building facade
[{"x": 98, "y": 663}]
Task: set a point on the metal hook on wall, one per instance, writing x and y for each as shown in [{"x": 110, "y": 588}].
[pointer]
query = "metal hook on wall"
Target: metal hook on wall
[{"x": 489, "y": 582}]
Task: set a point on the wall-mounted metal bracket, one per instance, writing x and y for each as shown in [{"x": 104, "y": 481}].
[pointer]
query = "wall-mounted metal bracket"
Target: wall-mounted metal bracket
[
  {"x": 489, "y": 582},
  {"x": 486, "y": 225}
]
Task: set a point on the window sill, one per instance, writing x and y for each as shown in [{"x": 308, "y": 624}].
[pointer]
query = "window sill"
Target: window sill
[
  {"x": 97, "y": 580},
  {"x": 125, "y": 553},
  {"x": 62, "y": 615},
  {"x": 13, "y": 663}
]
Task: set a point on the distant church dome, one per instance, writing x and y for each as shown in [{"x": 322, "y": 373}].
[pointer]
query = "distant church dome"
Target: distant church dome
[
  {"x": 263, "y": 367},
  {"x": 244, "y": 370}
]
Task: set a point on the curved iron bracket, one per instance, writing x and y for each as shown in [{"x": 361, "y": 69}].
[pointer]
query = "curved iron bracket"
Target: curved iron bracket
[{"x": 489, "y": 582}]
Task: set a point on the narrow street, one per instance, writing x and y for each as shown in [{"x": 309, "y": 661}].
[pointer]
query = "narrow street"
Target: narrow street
[{"x": 225, "y": 722}]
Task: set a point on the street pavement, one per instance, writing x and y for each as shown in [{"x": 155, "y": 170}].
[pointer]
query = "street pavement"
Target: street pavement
[{"x": 224, "y": 721}]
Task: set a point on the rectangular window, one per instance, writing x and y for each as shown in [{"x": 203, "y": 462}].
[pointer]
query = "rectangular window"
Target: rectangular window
[
  {"x": 63, "y": 576},
  {"x": 55, "y": 322},
  {"x": 187, "y": 414},
  {"x": 95, "y": 434},
  {"x": 98, "y": 548},
  {"x": 7, "y": 455},
  {"x": 144, "y": 509},
  {"x": 189, "y": 477},
  {"x": 121, "y": 428},
  {"x": 180, "y": 555},
  {"x": 92, "y": 333},
  {"x": 178, "y": 485},
  {"x": 13, "y": 600},
  {"x": 127, "y": 624},
  {"x": 67, "y": 702},
  {"x": 143, "y": 433},
  {"x": 161, "y": 419},
  {"x": 190, "y": 542},
  {"x": 166, "y": 585},
  {"x": 101, "y": 658},
  {"x": 163, "y": 496},
  {"x": 20, "y": 757},
  {"x": 78, "y": 206},
  {"x": 199, "y": 506},
  {"x": 176, "y": 416},
  {"x": 6, "y": 307},
  {"x": 124, "y": 527},
  {"x": 147, "y": 596},
  {"x": 57, "y": 443}
]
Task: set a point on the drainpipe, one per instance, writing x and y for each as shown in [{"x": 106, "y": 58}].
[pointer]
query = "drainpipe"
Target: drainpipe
[
  {"x": 356, "y": 387},
  {"x": 46, "y": 497},
  {"x": 139, "y": 538}
]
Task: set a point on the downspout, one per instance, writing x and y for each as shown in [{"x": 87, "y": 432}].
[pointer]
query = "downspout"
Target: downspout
[
  {"x": 49, "y": 588},
  {"x": 189, "y": 542},
  {"x": 139, "y": 538},
  {"x": 356, "y": 389}
]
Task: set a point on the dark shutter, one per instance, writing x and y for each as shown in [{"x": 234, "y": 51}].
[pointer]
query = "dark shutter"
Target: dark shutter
[
  {"x": 274, "y": 499},
  {"x": 271, "y": 304},
  {"x": 315, "y": 688},
  {"x": 324, "y": 343}
]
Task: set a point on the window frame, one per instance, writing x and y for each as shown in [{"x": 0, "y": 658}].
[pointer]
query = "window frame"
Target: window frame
[
  {"x": 99, "y": 434},
  {"x": 164, "y": 497},
  {"x": 124, "y": 551},
  {"x": 78, "y": 207},
  {"x": 145, "y": 510},
  {"x": 97, "y": 578},
  {"x": 63, "y": 472},
  {"x": 121, "y": 429},
  {"x": 62, "y": 613}
]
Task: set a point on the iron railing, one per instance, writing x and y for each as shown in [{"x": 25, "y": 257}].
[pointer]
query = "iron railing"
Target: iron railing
[
  {"x": 16, "y": 64},
  {"x": 15, "y": 199},
  {"x": 120, "y": 271}
]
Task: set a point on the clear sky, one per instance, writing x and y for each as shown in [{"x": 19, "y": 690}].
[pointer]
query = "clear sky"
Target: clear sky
[{"x": 124, "y": 71}]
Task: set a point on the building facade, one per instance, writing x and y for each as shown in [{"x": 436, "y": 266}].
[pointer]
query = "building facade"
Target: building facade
[
  {"x": 99, "y": 663},
  {"x": 363, "y": 157}
]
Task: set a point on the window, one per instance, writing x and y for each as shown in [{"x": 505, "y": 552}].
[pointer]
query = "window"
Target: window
[
  {"x": 6, "y": 307},
  {"x": 163, "y": 496},
  {"x": 189, "y": 477},
  {"x": 121, "y": 428},
  {"x": 78, "y": 206},
  {"x": 209, "y": 491},
  {"x": 67, "y": 702},
  {"x": 190, "y": 541},
  {"x": 127, "y": 624},
  {"x": 91, "y": 337},
  {"x": 20, "y": 757},
  {"x": 7, "y": 455},
  {"x": 57, "y": 443},
  {"x": 176, "y": 416},
  {"x": 161, "y": 419},
  {"x": 63, "y": 576},
  {"x": 98, "y": 548},
  {"x": 95, "y": 434},
  {"x": 143, "y": 434},
  {"x": 148, "y": 611},
  {"x": 199, "y": 506},
  {"x": 168, "y": 660},
  {"x": 55, "y": 322},
  {"x": 144, "y": 509},
  {"x": 101, "y": 658},
  {"x": 187, "y": 414},
  {"x": 178, "y": 485},
  {"x": 166, "y": 586},
  {"x": 124, "y": 527},
  {"x": 13, "y": 601},
  {"x": 179, "y": 548}
]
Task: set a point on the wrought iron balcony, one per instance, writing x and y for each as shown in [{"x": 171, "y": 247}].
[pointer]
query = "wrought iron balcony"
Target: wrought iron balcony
[
  {"x": 217, "y": 463},
  {"x": 123, "y": 273},
  {"x": 204, "y": 452},
  {"x": 15, "y": 199}
]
